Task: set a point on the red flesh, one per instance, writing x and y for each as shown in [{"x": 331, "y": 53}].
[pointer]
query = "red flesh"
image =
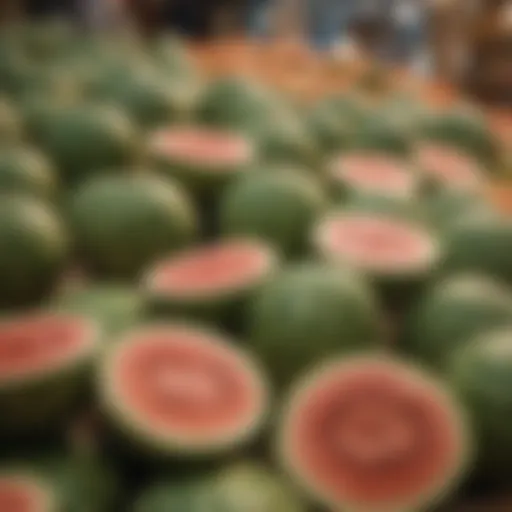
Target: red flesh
[
  {"x": 207, "y": 147},
  {"x": 183, "y": 383},
  {"x": 374, "y": 437},
  {"x": 449, "y": 166},
  {"x": 375, "y": 243},
  {"x": 36, "y": 343},
  {"x": 18, "y": 496},
  {"x": 374, "y": 173},
  {"x": 217, "y": 267}
]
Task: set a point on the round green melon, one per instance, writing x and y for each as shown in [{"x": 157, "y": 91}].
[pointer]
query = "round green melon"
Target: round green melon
[
  {"x": 27, "y": 171},
  {"x": 453, "y": 312},
  {"x": 355, "y": 174},
  {"x": 233, "y": 103},
  {"x": 34, "y": 250},
  {"x": 480, "y": 243},
  {"x": 373, "y": 434},
  {"x": 378, "y": 134},
  {"x": 178, "y": 392},
  {"x": 278, "y": 205},
  {"x": 149, "y": 99},
  {"x": 481, "y": 373},
  {"x": 397, "y": 254},
  {"x": 45, "y": 360},
  {"x": 22, "y": 490},
  {"x": 115, "y": 307},
  {"x": 331, "y": 130},
  {"x": 87, "y": 139},
  {"x": 463, "y": 129},
  {"x": 311, "y": 312},
  {"x": 211, "y": 282},
  {"x": 205, "y": 160},
  {"x": 11, "y": 125},
  {"x": 240, "y": 487},
  {"x": 124, "y": 223}
]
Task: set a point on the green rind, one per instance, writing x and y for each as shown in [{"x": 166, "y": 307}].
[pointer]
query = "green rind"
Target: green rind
[
  {"x": 465, "y": 130},
  {"x": 278, "y": 206},
  {"x": 480, "y": 242},
  {"x": 481, "y": 374},
  {"x": 35, "y": 250},
  {"x": 236, "y": 488},
  {"x": 122, "y": 224},
  {"x": 27, "y": 171},
  {"x": 38, "y": 402},
  {"x": 86, "y": 139},
  {"x": 423, "y": 502},
  {"x": 115, "y": 307},
  {"x": 170, "y": 448},
  {"x": 11, "y": 125},
  {"x": 308, "y": 313},
  {"x": 451, "y": 313}
]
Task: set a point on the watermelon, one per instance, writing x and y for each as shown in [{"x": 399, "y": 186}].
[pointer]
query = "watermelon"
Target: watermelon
[
  {"x": 398, "y": 255},
  {"x": 480, "y": 373},
  {"x": 115, "y": 307},
  {"x": 27, "y": 171},
  {"x": 378, "y": 134},
  {"x": 356, "y": 174},
  {"x": 11, "y": 125},
  {"x": 190, "y": 495},
  {"x": 480, "y": 243},
  {"x": 331, "y": 130},
  {"x": 175, "y": 391},
  {"x": 86, "y": 139},
  {"x": 311, "y": 312},
  {"x": 148, "y": 98},
  {"x": 34, "y": 250},
  {"x": 213, "y": 281},
  {"x": 448, "y": 168},
  {"x": 205, "y": 160},
  {"x": 22, "y": 491},
  {"x": 453, "y": 312},
  {"x": 372, "y": 434},
  {"x": 239, "y": 487},
  {"x": 279, "y": 205},
  {"x": 124, "y": 223},
  {"x": 464, "y": 129},
  {"x": 44, "y": 363}
]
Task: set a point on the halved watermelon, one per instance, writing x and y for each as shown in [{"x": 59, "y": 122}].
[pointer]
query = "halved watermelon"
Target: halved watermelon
[
  {"x": 202, "y": 158},
  {"x": 372, "y": 434},
  {"x": 211, "y": 280},
  {"x": 44, "y": 360},
  {"x": 447, "y": 167},
  {"x": 372, "y": 174},
  {"x": 24, "y": 492},
  {"x": 396, "y": 253},
  {"x": 178, "y": 391}
]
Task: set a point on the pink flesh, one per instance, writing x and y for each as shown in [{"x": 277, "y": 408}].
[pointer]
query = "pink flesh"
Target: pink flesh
[
  {"x": 374, "y": 173},
  {"x": 216, "y": 267},
  {"x": 36, "y": 343},
  {"x": 388, "y": 442},
  {"x": 206, "y": 147},
  {"x": 374, "y": 243},
  {"x": 17, "y": 496},
  {"x": 184, "y": 384},
  {"x": 448, "y": 165}
]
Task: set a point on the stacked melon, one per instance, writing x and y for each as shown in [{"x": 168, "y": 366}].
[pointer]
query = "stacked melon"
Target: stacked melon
[{"x": 217, "y": 299}]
